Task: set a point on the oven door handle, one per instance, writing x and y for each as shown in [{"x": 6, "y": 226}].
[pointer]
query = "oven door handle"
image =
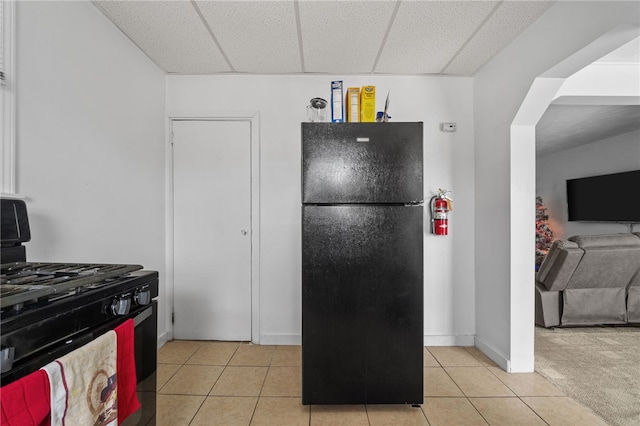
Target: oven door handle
[{"x": 142, "y": 316}]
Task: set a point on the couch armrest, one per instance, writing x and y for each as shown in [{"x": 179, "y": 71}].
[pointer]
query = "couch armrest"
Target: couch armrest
[
  {"x": 548, "y": 307},
  {"x": 559, "y": 265}
]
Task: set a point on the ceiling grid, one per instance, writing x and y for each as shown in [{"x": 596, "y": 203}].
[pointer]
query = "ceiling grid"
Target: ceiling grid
[
  {"x": 213, "y": 37},
  {"x": 322, "y": 36},
  {"x": 299, "y": 33},
  {"x": 341, "y": 37},
  {"x": 386, "y": 36}
]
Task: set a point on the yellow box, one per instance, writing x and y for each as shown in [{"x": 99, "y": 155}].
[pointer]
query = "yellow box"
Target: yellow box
[
  {"x": 353, "y": 104},
  {"x": 368, "y": 104}
]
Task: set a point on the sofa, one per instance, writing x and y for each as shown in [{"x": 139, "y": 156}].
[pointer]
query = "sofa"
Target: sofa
[{"x": 590, "y": 280}]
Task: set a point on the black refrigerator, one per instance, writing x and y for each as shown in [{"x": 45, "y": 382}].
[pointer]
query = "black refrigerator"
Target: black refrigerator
[{"x": 362, "y": 263}]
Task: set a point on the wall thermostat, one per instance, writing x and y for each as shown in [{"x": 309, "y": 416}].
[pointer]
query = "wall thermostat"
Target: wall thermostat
[{"x": 448, "y": 127}]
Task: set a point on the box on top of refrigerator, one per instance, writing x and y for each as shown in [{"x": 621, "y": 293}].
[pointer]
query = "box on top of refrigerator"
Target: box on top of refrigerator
[
  {"x": 353, "y": 104},
  {"x": 337, "y": 109},
  {"x": 368, "y": 104}
]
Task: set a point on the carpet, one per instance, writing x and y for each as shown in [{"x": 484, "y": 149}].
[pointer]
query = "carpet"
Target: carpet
[{"x": 597, "y": 366}]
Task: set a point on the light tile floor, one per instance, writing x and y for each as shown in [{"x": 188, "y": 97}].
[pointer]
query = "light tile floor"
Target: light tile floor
[{"x": 228, "y": 383}]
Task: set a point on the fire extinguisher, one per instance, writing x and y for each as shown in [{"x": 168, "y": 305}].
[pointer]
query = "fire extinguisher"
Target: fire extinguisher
[{"x": 441, "y": 205}]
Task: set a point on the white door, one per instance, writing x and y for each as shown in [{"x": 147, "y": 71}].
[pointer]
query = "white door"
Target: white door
[{"x": 212, "y": 230}]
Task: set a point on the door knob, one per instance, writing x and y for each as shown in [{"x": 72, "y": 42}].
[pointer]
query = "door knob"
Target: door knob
[{"x": 243, "y": 231}]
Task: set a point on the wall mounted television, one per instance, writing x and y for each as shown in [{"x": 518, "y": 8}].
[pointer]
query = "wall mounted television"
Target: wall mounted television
[{"x": 606, "y": 198}]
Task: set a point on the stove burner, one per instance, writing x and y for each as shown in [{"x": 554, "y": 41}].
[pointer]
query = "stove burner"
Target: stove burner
[{"x": 28, "y": 282}]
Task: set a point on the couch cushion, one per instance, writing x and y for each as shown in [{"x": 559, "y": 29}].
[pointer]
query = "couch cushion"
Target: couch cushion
[
  {"x": 559, "y": 265},
  {"x": 594, "y": 306},
  {"x": 606, "y": 268},
  {"x": 606, "y": 240}
]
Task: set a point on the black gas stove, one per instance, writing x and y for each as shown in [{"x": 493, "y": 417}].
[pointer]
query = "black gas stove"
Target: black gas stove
[
  {"x": 49, "y": 309},
  {"x": 47, "y": 304}
]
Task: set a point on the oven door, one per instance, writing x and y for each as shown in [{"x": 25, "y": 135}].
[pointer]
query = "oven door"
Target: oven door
[
  {"x": 145, "y": 328},
  {"x": 146, "y": 350}
]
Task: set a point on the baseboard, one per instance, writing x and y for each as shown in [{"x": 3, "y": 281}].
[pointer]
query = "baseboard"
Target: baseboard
[
  {"x": 296, "y": 339},
  {"x": 162, "y": 339},
  {"x": 280, "y": 339},
  {"x": 493, "y": 355},
  {"x": 460, "y": 340}
]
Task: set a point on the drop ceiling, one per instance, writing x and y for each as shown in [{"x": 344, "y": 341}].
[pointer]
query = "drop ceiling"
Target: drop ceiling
[
  {"x": 340, "y": 37},
  {"x": 333, "y": 37}
]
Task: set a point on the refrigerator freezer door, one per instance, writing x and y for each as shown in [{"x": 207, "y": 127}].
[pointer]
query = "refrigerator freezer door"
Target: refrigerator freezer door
[
  {"x": 361, "y": 163},
  {"x": 362, "y": 304}
]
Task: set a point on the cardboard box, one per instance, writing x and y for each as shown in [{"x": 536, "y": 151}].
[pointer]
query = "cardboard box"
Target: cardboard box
[
  {"x": 337, "y": 109},
  {"x": 368, "y": 104},
  {"x": 353, "y": 104}
]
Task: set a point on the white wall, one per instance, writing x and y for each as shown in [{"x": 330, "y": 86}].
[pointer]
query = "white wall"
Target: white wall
[
  {"x": 502, "y": 287},
  {"x": 90, "y": 138},
  {"x": 91, "y": 160},
  {"x": 618, "y": 154},
  {"x": 280, "y": 102}
]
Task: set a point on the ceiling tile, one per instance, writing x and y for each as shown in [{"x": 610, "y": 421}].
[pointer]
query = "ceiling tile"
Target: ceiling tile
[
  {"x": 426, "y": 34},
  {"x": 170, "y": 32},
  {"x": 256, "y": 36},
  {"x": 343, "y": 37},
  {"x": 504, "y": 25}
]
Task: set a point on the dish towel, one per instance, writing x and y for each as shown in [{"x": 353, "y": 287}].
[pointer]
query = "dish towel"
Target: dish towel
[
  {"x": 83, "y": 385},
  {"x": 26, "y": 401},
  {"x": 127, "y": 396}
]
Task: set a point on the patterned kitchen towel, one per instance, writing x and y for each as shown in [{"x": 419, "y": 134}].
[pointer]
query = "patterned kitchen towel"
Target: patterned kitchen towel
[
  {"x": 26, "y": 402},
  {"x": 127, "y": 379},
  {"x": 83, "y": 384}
]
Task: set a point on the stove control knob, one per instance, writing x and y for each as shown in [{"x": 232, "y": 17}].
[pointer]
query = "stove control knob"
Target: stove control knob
[
  {"x": 121, "y": 306},
  {"x": 142, "y": 297},
  {"x": 7, "y": 354}
]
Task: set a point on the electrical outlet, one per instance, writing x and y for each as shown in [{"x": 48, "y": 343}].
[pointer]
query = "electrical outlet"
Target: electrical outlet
[{"x": 448, "y": 127}]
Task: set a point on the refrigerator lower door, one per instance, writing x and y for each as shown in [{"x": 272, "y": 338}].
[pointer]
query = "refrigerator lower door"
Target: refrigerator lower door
[{"x": 362, "y": 304}]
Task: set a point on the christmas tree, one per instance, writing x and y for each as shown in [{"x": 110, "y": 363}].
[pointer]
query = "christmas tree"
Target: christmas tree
[{"x": 544, "y": 235}]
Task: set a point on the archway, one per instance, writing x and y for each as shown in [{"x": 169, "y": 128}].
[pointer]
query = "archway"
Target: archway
[{"x": 552, "y": 84}]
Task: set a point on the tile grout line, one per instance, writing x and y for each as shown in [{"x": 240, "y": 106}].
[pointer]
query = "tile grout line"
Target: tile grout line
[
  {"x": 534, "y": 411},
  {"x": 205, "y": 396},
  {"x": 261, "y": 388},
  {"x": 517, "y": 395},
  {"x": 366, "y": 411},
  {"x": 461, "y": 391},
  {"x": 185, "y": 363},
  {"x": 196, "y": 412},
  {"x": 167, "y": 381}
]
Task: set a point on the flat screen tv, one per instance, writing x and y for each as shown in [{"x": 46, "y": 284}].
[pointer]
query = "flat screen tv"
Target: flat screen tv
[{"x": 605, "y": 198}]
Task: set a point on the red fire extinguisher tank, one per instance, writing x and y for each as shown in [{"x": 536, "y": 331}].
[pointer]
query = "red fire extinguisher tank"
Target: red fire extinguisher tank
[{"x": 440, "y": 208}]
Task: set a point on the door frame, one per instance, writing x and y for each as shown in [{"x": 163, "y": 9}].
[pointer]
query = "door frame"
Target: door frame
[{"x": 254, "y": 120}]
